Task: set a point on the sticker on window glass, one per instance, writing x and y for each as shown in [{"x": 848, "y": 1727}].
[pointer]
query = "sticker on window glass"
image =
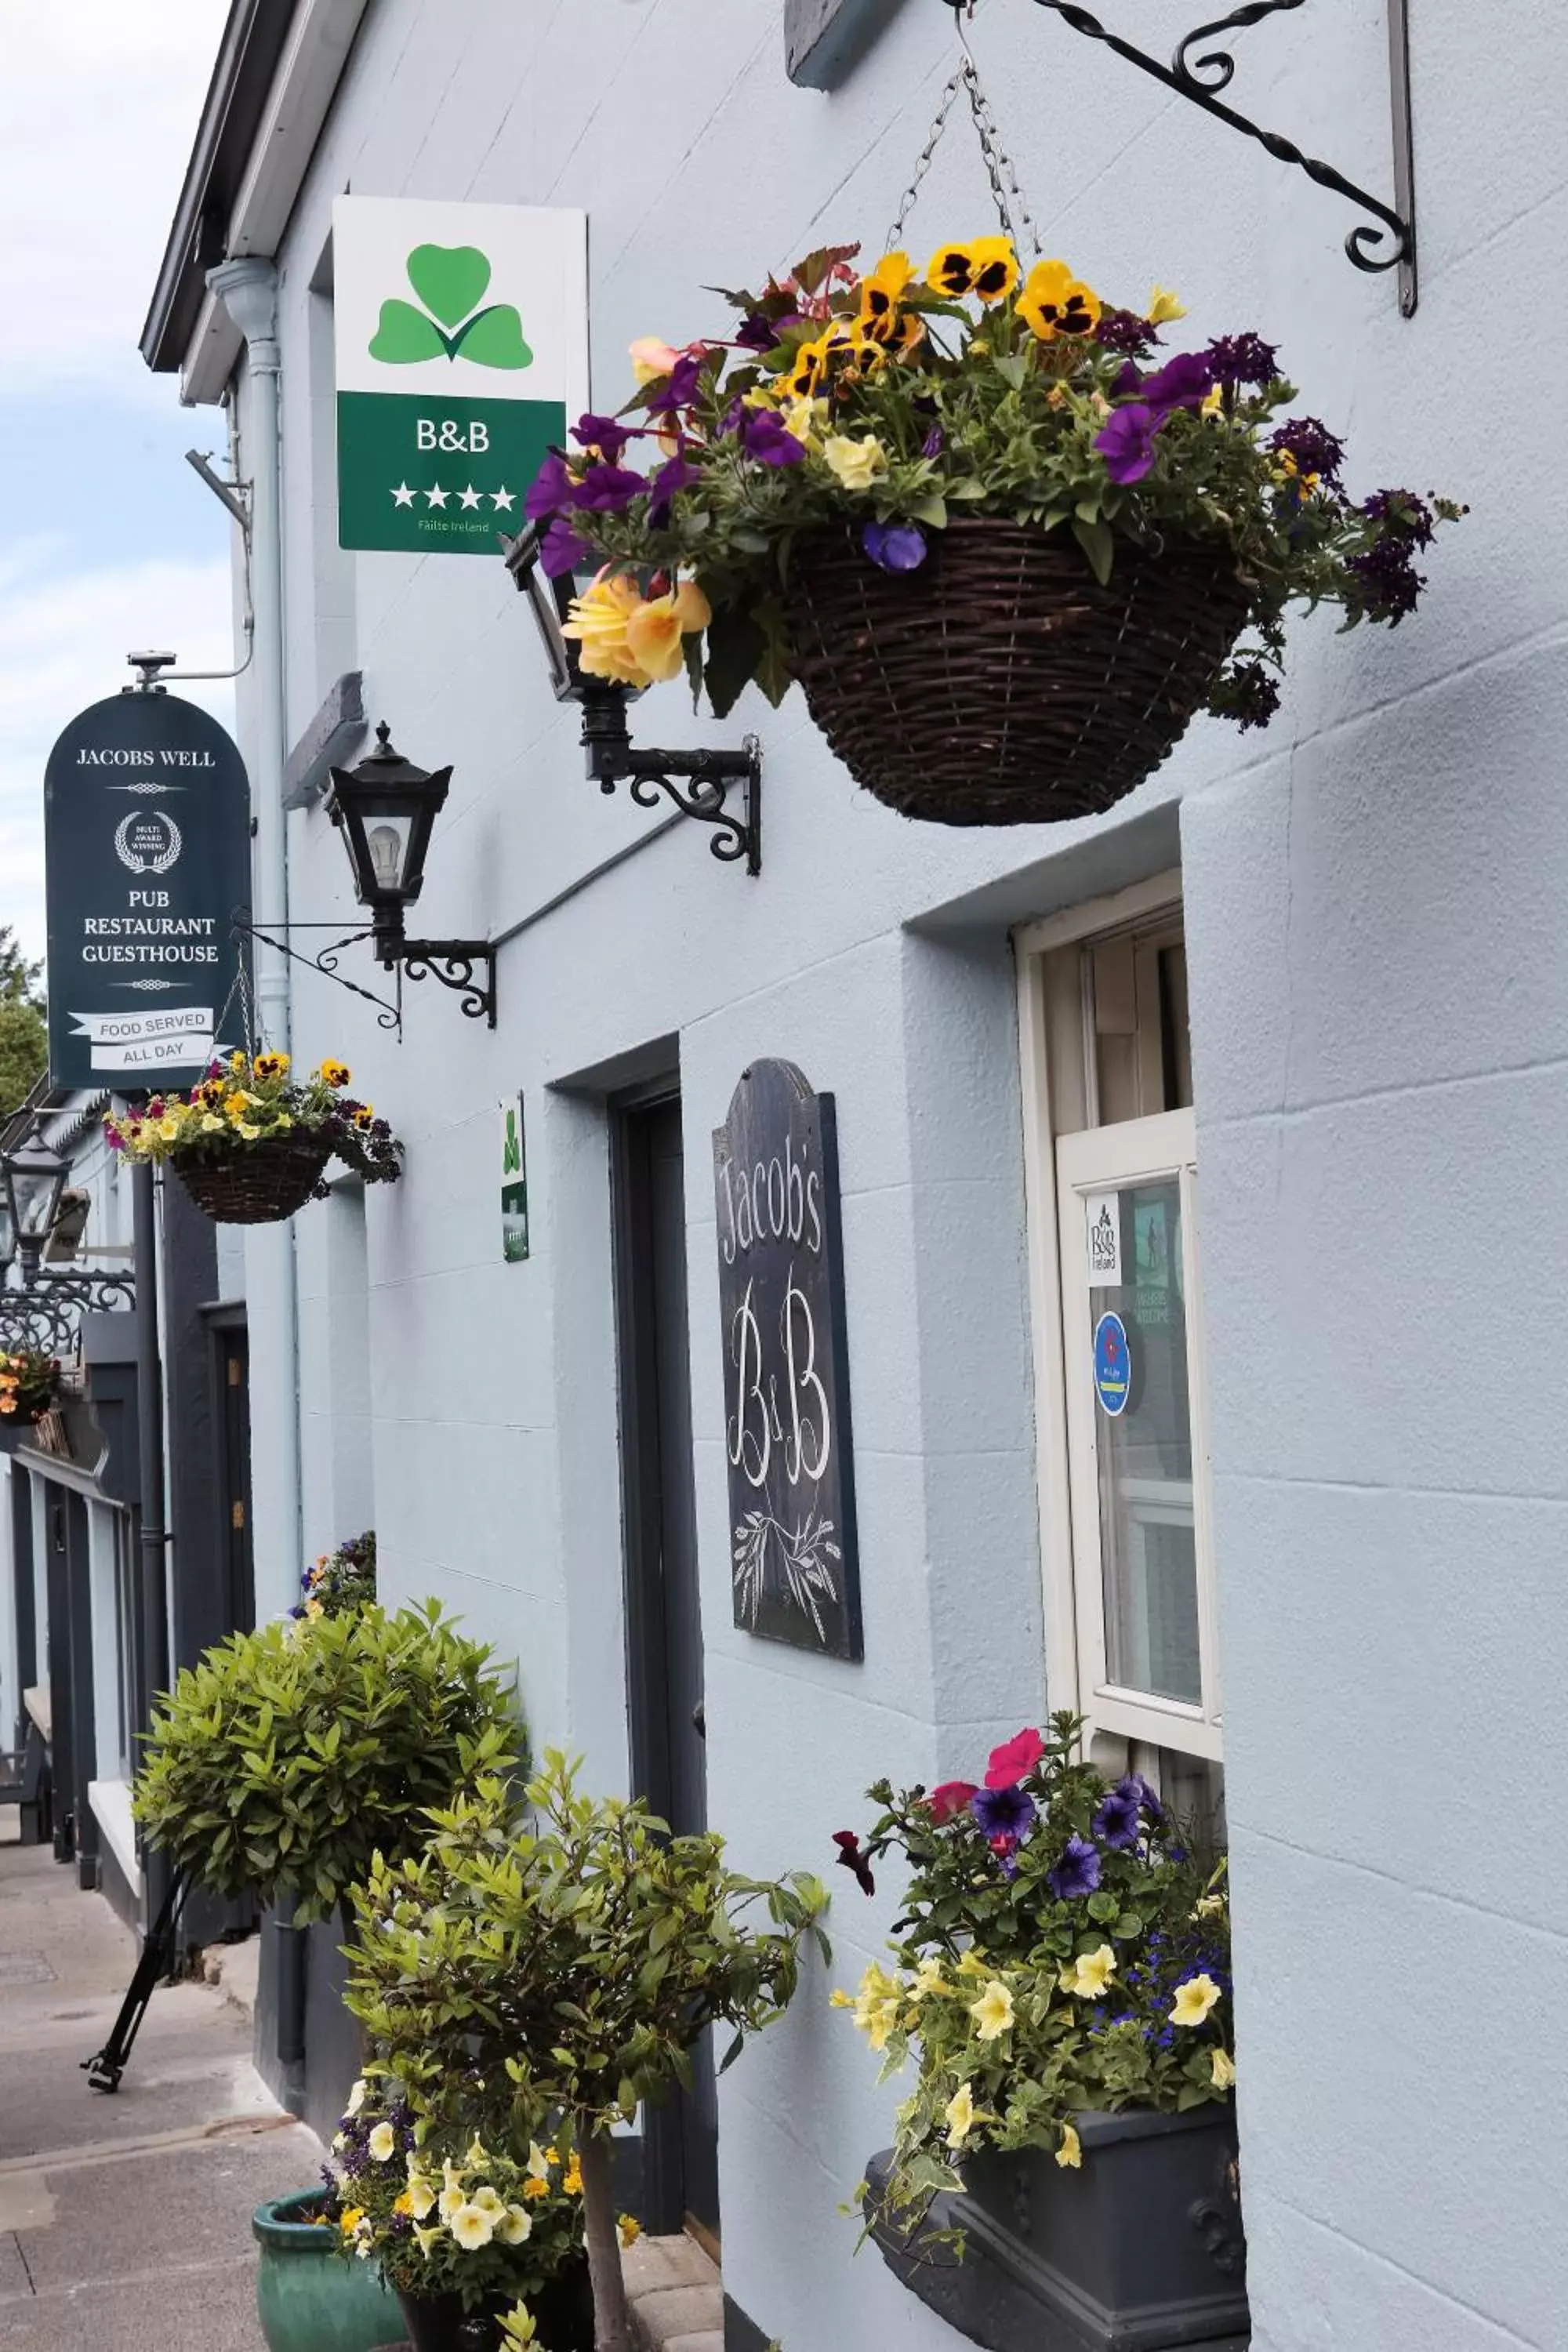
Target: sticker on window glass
[
  {"x": 1112, "y": 1364},
  {"x": 1102, "y": 1218}
]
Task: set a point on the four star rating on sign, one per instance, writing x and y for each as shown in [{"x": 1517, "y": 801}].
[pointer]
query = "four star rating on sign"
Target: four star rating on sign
[{"x": 502, "y": 500}]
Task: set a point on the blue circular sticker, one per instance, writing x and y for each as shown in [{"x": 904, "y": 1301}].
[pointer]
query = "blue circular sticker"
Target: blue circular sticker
[{"x": 1112, "y": 1364}]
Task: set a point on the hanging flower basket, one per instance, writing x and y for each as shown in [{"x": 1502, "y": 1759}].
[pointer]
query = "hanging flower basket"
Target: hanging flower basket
[
  {"x": 29, "y": 1387},
  {"x": 1006, "y": 546},
  {"x": 251, "y": 1144},
  {"x": 1000, "y": 683}
]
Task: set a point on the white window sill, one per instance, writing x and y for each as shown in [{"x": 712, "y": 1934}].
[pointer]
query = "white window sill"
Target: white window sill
[{"x": 110, "y": 1803}]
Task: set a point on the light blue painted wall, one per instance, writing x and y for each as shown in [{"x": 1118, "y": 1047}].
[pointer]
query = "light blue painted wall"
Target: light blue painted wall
[{"x": 1379, "y": 1021}]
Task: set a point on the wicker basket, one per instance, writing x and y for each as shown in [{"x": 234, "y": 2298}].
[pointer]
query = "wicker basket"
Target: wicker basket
[
  {"x": 1000, "y": 684},
  {"x": 259, "y": 1187}
]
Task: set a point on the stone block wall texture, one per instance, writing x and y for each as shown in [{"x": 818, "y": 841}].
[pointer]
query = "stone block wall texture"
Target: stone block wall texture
[{"x": 1380, "y": 1028}]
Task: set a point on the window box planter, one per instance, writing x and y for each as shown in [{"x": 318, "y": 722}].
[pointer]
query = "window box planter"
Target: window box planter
[{"x": 1139, "y": 2251}]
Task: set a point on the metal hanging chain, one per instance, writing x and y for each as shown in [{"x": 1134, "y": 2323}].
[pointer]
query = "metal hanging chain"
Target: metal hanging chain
[
  {"x": 1003, "y": 173},
  {"x": 241, "y": 989}
]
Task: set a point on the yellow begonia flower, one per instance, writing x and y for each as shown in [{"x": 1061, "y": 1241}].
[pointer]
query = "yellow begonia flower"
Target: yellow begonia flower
[
  {"x": 963, "y": 2114},
  {"x": 985, "y": 266},
  {"x": 633, "y": 642},
  {"x": 1054, "y": 302},
  {"x": 515, "y": 2225},
  {"x": 1070, "y": 2155},
  {"x": 630, "y": 2229},
  {"x": 1222, "y": 2070},
  {"x": 652, "y": 357},
  {"x": 1194, "y": 2001},
  {"x": 382, "y": 2144},
  {"x": 472, "y": 2227},
  {"x": 992, "y": 2013},
  {"x": 656, "y": 629},
  {"x": 856, "y": 464},
  {"x": 1090, "y": 1973},
  {"x": 1164, "y": 306}
]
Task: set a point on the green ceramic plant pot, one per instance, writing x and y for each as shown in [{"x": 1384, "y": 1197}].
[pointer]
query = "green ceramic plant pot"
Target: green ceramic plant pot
[{"x": 309, "y": 2299}]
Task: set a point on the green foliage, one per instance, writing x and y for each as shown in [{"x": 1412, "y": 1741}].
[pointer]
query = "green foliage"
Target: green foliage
[
  {"x": 24, "y": 1037},
  {"x": 579, "y": 1953},
  {"x": 289, "y": 1758},
  {"x": 1024, "y": 2004}
]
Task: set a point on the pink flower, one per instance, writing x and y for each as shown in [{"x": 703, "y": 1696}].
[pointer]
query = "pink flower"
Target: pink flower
[
  {"x": 952, "y": 1797},
  {"x": 1008, "y": 1763}
]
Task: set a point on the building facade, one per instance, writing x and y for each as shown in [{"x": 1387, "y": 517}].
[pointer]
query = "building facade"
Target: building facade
[{"x": 1301, "y": 997}]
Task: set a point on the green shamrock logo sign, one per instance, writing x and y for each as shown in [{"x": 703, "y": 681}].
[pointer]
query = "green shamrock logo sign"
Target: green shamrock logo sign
[{"x": 450, "y": 281}]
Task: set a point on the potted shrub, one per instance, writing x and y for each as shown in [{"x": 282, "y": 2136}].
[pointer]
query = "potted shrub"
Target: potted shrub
[
  {"x": 1063, "y": 1987},
  {"x": 470, "y": 2209},
  {"x": 338, "y": 1582},
  {"x": 576, "y": 1952},
  {"x": 288, "y": 1758},
  {"x": 251, "y": 1142},
  {"x": 1006, "y": 547}
]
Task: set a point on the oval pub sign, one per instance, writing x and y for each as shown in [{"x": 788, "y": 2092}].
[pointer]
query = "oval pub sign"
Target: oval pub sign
[{"x": 147, "y": 861}]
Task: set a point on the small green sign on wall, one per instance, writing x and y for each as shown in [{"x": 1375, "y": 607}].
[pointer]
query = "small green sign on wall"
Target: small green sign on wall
[
  {"x": 513, "y": 1183},
  {"x": 462, "y": 355}
]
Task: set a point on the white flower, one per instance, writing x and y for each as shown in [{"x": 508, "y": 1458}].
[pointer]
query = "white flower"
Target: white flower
[
  {"x": 452, "y": 2201},
  {"x": 538, "y": 2162},
  {"x": 382, "y": 2144},
  {"x": 516, "y": 2224},
  {"x": 357, "y": 2095},
  {"x": 489, "y": 2202},
  {"x": 421, "y": 2195},
  {"x": 472, "y": 2227}
]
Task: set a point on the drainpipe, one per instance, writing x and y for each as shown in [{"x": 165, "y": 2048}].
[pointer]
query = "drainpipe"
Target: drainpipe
[{"x": 248, "y": 290}]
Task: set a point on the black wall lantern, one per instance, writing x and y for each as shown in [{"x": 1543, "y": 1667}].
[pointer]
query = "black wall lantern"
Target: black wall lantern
[
  {"x": 33, "y": 1177},
  {"x": 385, "y": 809},
  {"x": 612, "y": 757}
]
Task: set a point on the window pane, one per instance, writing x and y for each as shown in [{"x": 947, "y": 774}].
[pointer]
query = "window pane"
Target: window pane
[{"x": 1147, "y": 1538}]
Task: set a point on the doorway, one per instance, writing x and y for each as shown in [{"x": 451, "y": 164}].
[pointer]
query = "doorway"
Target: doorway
[{"x": 663, "y": 1603}]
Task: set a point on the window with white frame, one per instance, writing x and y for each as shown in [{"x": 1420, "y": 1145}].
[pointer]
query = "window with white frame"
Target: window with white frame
[{"x": 1113, "y": 1211}]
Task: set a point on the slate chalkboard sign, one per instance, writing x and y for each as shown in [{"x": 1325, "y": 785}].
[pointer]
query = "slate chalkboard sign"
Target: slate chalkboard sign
[
  {"x": 147, "y": 858},
  {"x": 795, "y": 1570}
]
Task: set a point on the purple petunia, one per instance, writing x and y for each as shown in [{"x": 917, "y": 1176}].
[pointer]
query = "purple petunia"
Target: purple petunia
[
  {"x": 607, "y": 434},
  {"x": 1127, "y": 442},
  {"x": 935, "y": 443},
  {"x": 1242, "y": 359},
  {"x": 895, "y": 546},
  {"x": 766, "y": 438},
  {"x": 1185, "y": 382},
  {"x": 1313, "y": 449},
  {"x": 681, "y": 389},
  {"x": 550, "y": 489},
  {"x": 1124, "y": 332},
  {"x": 1077, "y": 1874},
  {"x": 561, "y": 551},
  {"x": 760, "y": 333},
  {"x": 1119, "y": 1817},
  {"x": 607, "y": 489},
  {"x": 677, "y": 474},
  {"x": 1003, "y": 1812}
]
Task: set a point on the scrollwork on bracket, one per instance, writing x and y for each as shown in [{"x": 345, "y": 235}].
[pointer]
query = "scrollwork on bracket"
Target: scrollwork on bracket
[{"x": 735, "y": 837}]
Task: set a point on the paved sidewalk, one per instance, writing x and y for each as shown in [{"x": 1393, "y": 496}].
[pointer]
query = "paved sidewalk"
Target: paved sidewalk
[{"x": 124, "y": 2221}]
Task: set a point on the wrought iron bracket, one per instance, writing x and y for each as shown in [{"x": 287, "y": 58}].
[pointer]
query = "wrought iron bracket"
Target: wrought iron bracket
[
  {"x": 1388, "y": 240},
  {"x": 325, "y": 961},
  {"x": 45, "y": 1310},
  {"x": 454, "y": 963},
  {"x": 613, "y": 759}
]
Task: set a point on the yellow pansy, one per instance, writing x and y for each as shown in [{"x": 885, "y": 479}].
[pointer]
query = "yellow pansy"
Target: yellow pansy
[
  {"x": 236, "y": 1102},
  {"x": 985, "y": 266},
  {"x": 1164, "y": 306},
  {"x": 881, "y": 293},
  {"x": 515, "y": 2224},
  {"x": 856, "y": 464},
  {"x": 472, "y": 2227},
  {"x": 630, "y": 2229},
  {"x": 992, "y": 2013},
  {"x": 334, "y": 1073},
  {"x": 1222, "y": 2070},
  {"x": 1069, "y": 2154},
  {"x": 1054, "y": 302},
  {"x": 271, "y": 1066},
  {"x": 382, "y": 2144},
  {"x": 1090, "y": 1973},
  {"x": 1194, "y": 2001}
]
